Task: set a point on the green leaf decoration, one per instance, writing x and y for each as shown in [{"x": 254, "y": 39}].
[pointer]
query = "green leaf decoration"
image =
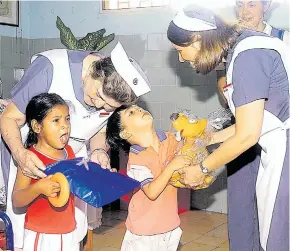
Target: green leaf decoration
[
  {"x": 105, "y": 41},
  {"x": 93, "y": 41},
  {"x": 66, "y": 36},
  {"x": 90, "y": 41}
]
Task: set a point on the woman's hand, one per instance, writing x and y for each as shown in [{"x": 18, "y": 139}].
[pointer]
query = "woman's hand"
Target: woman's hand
[
  {"x": 101, "y": 157},
  {"x": 192, "y": 176},
  {"x": 48, "y": 187},
  {"x": 29, "y": 163}
]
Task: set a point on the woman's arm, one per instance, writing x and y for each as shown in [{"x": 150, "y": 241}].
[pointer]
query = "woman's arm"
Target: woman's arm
[
  {"x": 99, "y": 148},
  {"x": 10, "y": 122},
  {"x": 252, "y": 76},
  {"x": 37, "y": 79},
  {"x": 223, "y": 135},
  {"x": 99, "y": 141},
  {"x": 249, "y": 120}
]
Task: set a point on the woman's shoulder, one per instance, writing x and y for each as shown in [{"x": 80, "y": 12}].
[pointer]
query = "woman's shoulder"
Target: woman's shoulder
[
  {"x": 253, "y": 35},
  {"x": 252, "y": 56},
  {"x": 244, "y": 36},
  {"x": 250, "y": 33}
]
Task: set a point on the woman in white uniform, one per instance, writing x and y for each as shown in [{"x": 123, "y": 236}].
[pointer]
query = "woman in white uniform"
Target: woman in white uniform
[
  {"x": 245, "y": 167},
  {"x": 257, "y": 92},
  {"x": 93, "y": 86}
]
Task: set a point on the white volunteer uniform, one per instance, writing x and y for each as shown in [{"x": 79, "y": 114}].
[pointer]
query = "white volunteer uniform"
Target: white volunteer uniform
[
  {"x": 85, "y": 124},
  {"x": 273, "y": 137},
  {"x": 268, "y": 30},
  {"x": 273, "y": 129}
]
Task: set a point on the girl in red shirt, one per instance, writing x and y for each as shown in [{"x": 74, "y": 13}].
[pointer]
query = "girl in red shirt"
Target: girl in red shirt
[{"x": 46, "y": 228}]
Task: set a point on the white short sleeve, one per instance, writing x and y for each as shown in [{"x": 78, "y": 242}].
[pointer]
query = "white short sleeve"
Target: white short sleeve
[
  {"x": 286, "y": 38},
  {"x": 140, "y": 173}
]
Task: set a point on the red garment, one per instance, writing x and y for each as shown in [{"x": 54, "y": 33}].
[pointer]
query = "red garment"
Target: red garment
[{"x": 41, "y": 217}]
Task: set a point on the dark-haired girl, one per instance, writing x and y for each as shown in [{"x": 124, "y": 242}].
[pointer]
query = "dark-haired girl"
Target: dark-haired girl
[
  {"x": 46, "y": 228},
  {"x": 257, "y": 93}
]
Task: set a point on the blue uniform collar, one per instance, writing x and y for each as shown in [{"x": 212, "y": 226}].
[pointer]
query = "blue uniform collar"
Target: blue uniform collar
[{"x": 137, "y": 149}]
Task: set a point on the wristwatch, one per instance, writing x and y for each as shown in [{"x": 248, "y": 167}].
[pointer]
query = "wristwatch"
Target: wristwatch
[{"x": 203, "y": 169}]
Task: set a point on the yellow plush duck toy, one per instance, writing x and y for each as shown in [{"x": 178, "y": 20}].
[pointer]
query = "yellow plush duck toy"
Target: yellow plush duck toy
[{"x": 195, "y": 135}]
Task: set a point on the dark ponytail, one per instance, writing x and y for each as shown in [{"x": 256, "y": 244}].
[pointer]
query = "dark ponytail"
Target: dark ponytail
[
  {"x": 37, "y": 109},
  {"x": 31, "y": 138}
]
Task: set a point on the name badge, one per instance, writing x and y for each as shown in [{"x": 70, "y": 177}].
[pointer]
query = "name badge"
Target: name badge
[
  {"x": 104, "y": 114},
  {"x": 225, "y": 88}
]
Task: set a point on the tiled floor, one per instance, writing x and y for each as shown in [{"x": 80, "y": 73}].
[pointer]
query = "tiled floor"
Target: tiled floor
[{"x": 202, "y": 231}]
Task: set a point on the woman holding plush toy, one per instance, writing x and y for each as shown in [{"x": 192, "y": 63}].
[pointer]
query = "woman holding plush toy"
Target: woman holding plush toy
[
  {"x": 257, "y": 92},
  {"x": 250, "y": 14}
]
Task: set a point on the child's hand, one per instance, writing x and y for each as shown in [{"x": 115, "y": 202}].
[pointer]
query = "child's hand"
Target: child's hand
[
  {"x": 180, "y": 161},
  {"x": 47, "y": 187}
]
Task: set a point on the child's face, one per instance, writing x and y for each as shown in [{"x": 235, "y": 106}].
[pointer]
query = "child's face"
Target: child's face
[
  {"x": 135, "y": 120},
  {"x": 54, "y": 130}
]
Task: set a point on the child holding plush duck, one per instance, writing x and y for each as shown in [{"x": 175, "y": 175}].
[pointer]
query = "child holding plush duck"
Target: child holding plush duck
[{"x": 153, "y": 221}]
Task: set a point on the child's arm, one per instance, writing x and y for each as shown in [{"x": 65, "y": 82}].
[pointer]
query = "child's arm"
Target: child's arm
[
  {"x": 156, "y": 187},
  {"x": 24, "y": 193}
]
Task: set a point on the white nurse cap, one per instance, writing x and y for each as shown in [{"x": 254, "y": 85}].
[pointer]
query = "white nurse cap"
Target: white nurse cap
[
  {"x": 201, "y": 20},
  {"x": 130, "y": 71}
]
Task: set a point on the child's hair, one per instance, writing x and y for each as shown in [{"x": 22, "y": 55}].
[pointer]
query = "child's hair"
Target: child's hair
[
  {"x": 114, "y": 127},
  {"x": 37, "y": 109}
]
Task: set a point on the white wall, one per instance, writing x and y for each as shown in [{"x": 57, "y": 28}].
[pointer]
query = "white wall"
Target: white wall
[
  {"x": 37, "y": 18},
  {"x": 83, "y": 17}
]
